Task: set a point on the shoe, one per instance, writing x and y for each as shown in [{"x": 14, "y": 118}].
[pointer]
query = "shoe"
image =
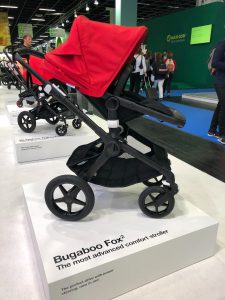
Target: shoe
[
  {"x": 221, "y": 139},
  {"x": 213, "y": 133}
]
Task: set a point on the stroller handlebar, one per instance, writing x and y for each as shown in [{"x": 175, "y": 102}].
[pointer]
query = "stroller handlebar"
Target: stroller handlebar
[{"x": 25, "y": 51}]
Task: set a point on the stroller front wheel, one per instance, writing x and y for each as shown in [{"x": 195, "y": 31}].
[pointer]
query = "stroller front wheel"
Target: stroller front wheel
[
  {"x": 61, "y": 130},
  {"x": 76, "y": 123},
  {"x": 156, "y": 202},
  {"x": 26, "y": 121},
  {"x": 69, "y": 197}
]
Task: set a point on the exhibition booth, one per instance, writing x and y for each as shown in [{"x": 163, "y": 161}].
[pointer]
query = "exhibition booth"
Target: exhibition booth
[{"x": 107, "y": 193}]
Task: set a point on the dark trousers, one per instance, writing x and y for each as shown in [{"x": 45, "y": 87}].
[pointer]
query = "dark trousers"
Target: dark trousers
[
  {"x": 167, "y": 83},
  {"x": 135, "y": 81},
  {"x": 218, "y": 118}
]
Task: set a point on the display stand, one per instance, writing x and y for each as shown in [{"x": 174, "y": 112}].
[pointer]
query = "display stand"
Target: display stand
[
  {"x": 13, "y": 111},
  {"x": 116, "y": 248},
  {"x": 45, "y": 143}
]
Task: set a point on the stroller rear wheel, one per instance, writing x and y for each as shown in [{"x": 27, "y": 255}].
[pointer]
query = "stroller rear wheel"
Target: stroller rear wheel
[
  {"x": 26, "y": 121},
  {"x": 69, "y": 197},
  {"x": 52, "y": 120},
  {"x": 156, "y": 201},
  {"x": 61, "y": 130},
  {"x": 77, "y": 123}
]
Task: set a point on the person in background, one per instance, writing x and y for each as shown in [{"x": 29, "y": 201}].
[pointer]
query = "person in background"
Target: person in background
[
  {"x": 171, "y": 67},
  {"x": 160, "y": 73},
  {"x": 218, "y": 119},
  {"x": 27, "y": 41},
  {"x": 164, "y": 54},
  {"x": 139, "y": 71}
]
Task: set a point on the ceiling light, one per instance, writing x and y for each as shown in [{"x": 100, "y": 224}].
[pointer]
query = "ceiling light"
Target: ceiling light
[
  {"x": 87, "y": 7},
  {"x": 56, "y": 14},
  {"x": 96, "y": 2},
  {"x": 63, "y": 24},
  {"x": 170, "y": 6},
  {"x": 47, "y": 9},
  {"x": 10, "y": 18},
  {"x": 143, "y": 3},
  {"x": 8, "y": 6},
  {"x": 75, "y": 14},
  {"x": 67, "y": 21},
  {"x": 38, "y": 19}
]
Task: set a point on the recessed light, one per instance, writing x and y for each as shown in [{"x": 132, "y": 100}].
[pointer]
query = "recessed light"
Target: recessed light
[
  {"x": 8, "y": 6},
  {"x": 38, "y": 19},
  {"x": 47, "y": 9}
]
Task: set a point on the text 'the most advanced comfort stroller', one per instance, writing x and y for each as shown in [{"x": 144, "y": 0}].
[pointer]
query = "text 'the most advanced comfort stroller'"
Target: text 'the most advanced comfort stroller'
[{"x": 95, "y": 59}]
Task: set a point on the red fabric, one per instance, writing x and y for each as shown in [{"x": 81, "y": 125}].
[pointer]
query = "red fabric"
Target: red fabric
[
  {"x": 37, "y": 64},
  {"x": 93, "y": 55}
]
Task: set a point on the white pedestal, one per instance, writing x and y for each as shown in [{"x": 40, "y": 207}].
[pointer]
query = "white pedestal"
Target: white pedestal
[
  {"x": 116, "y": 248},
  {"x": 44, "y": 143},
  {"x": 14, "y": 110}
]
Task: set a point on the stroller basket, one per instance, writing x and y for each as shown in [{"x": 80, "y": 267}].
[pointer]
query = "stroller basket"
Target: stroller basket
[{"x": 120, "y": 171}]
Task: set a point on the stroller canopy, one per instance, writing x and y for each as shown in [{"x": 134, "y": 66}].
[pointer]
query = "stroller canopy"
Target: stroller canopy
[{"x": 93, "y": 55}]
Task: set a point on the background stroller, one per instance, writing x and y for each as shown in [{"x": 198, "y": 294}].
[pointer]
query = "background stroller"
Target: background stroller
[
  {"x": 7, "y": 76},
  {"x": 109, "y": 161},
  {"x": 47, "y": 107}
]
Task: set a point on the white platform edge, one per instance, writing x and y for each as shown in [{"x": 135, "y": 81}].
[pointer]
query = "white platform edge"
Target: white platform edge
[{"x": 186, "y": 258}]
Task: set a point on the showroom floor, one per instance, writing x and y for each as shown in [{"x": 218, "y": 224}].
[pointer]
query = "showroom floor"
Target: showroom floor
[{"x": 20, "y": 278}]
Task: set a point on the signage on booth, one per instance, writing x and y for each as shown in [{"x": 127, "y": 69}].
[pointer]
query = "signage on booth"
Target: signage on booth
[
  {"x": 5, "y": 38},
  {"x": 57, "y": 32},
  {"x": 24, "y": 28},
  {"x": 176, "y": 38}
]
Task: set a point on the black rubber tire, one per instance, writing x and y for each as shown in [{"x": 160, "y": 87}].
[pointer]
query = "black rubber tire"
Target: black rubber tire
[
  {"x": 164, "y": 198},
  {"x": 61, "y": 130},
  {"x": 80, "y": 185},
  {"x": 155, "y": 181},
  {"x": 77, "y": 123},
  {"x": 52, "y": 120},
  {"x": 26, "y": 121}
]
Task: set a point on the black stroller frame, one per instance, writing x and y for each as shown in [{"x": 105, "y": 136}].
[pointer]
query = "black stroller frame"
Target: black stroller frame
[
  {"x": 96, "y": 161},
  {"x": 47, "y": 107}
]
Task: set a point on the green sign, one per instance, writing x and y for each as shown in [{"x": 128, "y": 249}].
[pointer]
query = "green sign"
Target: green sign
[
  {"x": 24, "y": 29},
  {"x": 176, "y": 38},
  {"x": 201, "y": 34},
  {"x": 56, "y": 32}
]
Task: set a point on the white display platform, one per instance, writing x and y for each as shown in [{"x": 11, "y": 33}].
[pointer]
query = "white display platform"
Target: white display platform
[
  {"x": 116, "y": 248},
  {"x": 13, "y": 112},
  {"x": 45, "y": 143}
]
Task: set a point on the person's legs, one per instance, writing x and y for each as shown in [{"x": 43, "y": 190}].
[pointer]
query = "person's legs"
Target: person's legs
[
  {"x": 169, "y": 80},
  {"x": 165, "y": 85},
  {"x": 132, "y": 82},
  {"x": 160, "y": 85},
  {"x": 137, "y": 82},
  {"x": 220, "y": 90}
]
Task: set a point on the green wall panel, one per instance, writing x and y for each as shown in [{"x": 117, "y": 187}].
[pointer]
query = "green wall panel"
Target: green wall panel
[{"x": 173, "y": 32}]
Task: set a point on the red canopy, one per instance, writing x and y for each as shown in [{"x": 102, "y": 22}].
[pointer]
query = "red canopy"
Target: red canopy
[{"x": 93, "y": 54}]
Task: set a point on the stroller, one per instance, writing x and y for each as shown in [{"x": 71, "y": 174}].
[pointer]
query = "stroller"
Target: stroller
[
  {"x": 47, "y": 107},
  {"x": 8, "y": 77},
  {"x": 109, "y": 161}
]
